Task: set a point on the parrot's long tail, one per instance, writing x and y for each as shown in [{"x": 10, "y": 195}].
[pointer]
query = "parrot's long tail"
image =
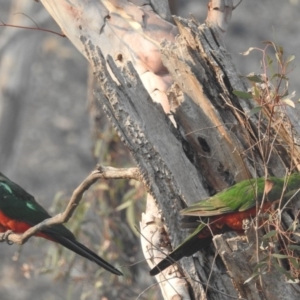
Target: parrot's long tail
[
  {"x": 190, "y": 246},
  {"x": 82, "y": 250}
]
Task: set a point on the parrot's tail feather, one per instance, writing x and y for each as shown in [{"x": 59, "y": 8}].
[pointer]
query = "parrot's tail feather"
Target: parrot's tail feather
[
  {"x": 190, "y": 225},
  {"x": 191, "y": 222},
  {"x": 165, "y": 263},
  {"x": 188, "y": 248},
  {"x": 82, "y": 250}
]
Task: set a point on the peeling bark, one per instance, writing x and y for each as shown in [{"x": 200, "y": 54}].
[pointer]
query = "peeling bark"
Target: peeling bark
[{"x": 123, "y": 30}]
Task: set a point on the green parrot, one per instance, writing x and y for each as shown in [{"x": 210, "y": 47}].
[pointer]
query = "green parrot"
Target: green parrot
[
  {"x": 19, "y": 211},
  {"x": 226, "y": 211}
]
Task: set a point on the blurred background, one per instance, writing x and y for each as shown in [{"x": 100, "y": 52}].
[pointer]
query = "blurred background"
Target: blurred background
[{"x": 52, "y": 134}]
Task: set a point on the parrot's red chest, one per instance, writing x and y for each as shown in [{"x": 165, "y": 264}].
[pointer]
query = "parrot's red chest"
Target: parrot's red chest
[
  {"x": 235, "y": 220},
  {"x": 16, "y": 226},
  {"x": 232, "y": 220}
]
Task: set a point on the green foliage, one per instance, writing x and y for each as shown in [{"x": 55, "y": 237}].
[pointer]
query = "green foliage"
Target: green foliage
[{"x": 270, "y": 88}]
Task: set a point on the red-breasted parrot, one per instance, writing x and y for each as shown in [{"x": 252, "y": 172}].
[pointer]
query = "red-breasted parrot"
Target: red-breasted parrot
[
  {"x": 19, "y": 211},
  {"x": 226, "y": 211}
]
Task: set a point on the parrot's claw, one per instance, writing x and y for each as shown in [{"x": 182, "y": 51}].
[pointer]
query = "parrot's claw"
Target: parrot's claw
[
  {"x": 5, "y": 237},
  {"x": 246, "y": 224}
]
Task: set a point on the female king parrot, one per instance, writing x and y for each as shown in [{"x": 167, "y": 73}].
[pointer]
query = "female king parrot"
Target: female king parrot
[{"x": 226, "y": 211}]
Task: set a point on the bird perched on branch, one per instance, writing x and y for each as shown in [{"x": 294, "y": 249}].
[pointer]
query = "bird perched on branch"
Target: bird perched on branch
[
  {"x": 19, "y": 211},
  {"x": 227, "y": 210}
]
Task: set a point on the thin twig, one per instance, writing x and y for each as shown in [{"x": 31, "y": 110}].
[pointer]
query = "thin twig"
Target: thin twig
[{"x": 31, "y": 28}]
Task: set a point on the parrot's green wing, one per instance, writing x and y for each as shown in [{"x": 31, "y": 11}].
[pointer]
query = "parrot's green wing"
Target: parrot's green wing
[
  {"x": 244, "y": 195},
  {"x": 239, "y": 197}
]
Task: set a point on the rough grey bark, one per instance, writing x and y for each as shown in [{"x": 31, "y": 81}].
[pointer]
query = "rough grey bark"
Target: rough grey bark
[
  {"x": 153, "y": 141},
  {"x": 238, "y": 255}
]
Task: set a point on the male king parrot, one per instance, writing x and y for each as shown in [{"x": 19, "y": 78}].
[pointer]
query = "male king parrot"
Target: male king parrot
[
  {"x": 19, "y": 211},
  {"x": 226, "y": 211}
]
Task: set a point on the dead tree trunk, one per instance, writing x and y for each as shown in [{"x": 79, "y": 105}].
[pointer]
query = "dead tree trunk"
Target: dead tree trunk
[{"x": 214, "y": 143}]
